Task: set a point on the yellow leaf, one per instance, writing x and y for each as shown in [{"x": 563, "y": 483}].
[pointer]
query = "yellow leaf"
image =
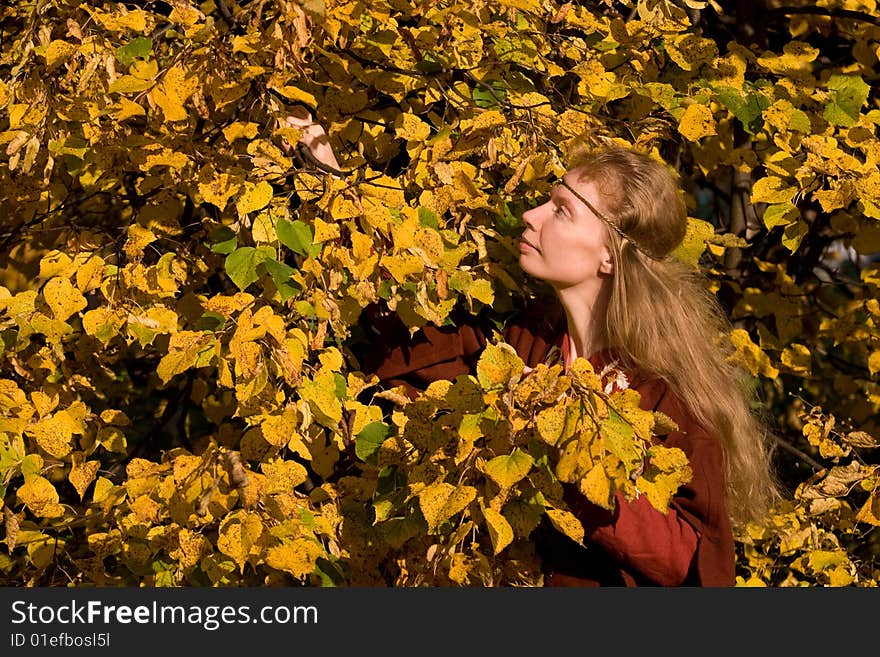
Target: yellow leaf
[
  {"x": 239, "y": 130},
  {"x": 694, "y": 242},
  {"x": 63, "y": 298},
  {"x": 82, "y": 473},
  {"x": 128, "y": 84},
  {"x": 56, "y": 263},
  {"x": 239, "y": 532},
  {"x": 165, "y": 158},
  {"x": 57, "y": 52},
  {"x": 567, "y": 523},
  {"x": 102, "y": 323},
  {"x": 690, "y": 51},
  {"x": 175, "y": 90},
  {"x": 410, "y": 127},
  {"x": 146, "y": 509},
  {"x": 498, "y": 365},
  {"x": 874, "y": 362},
  {"x": 295, "y": 93},
  {"x": 325, "y": 231},
  {"x": 597, "y": 487},
  {"x": 500, "y": 531},
  {"x": 184, "y": 466},
  {"x": 54, "y": 434},
  {"x": 136, "y": 20},
  {"x": 192, "y": 546},
  {"x": 870, "y": 511},
  {"x": 485, "y": 120},
  {"x": 102, "y": 489},
  {"x": 43, "y": 402},
  {"x": 772, "y": 189},
  {"x": 172, "y": 108},
  {"x": 138, "y": 238},
  {"x": 89, "y": 273},
  {"x": 254, "y": 197},
  {"x": 11, "y": 396},
  {"x": 279, "y": 430},
  {"x": 125, "y": 109},
  {"x": 428, "y": 244},
  {"x": 297, "y": 557},
  {"x": 186, "y": 349},
  {"x": 321, "y": 396},
  {"x": 283, "y": 476},
  {"x": 798, "y": 358},
  {"x": 697, "y": 122},
  {"x": 40, "y": 497},
  {"x": 218, "y": 188},
  {"x": 550, "y": 423},
  {"x": 229, "y": 305},
  {"x": 441, "y": 501},
  {"x": 402, "y": 266},
  {"x": 797, "y": 57},
  {"x": 750, "y": 356},
  {"x": 506, "y": 471}
]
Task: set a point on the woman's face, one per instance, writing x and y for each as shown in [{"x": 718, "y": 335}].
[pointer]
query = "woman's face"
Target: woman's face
[{"x": 564, "y": 242}]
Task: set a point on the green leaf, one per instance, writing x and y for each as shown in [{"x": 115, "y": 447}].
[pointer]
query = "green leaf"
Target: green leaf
[
  {"x": 138, "y": 48},
  {"x": 389, "y": 479},
  {"x": 489, "y": 99},
  {"x": 428, "y": 64},
  {"x": 509, "y": 223},
  {"x": 210, "y": 321},
  {"x": 508, "y": 470},
  {"x": 429, "y": 218},
  {"x": 848, "y": 93},
  {"x": 328, "y": 572},
  {"x": 223, "y": 240},
  {"x": 746, "y": 109},
  {"x": 297, "y": 236},
  {"x": 241, "y": 264},
  {"x": 780, "y": 214},
  {"x": 281, "y": 274},
  {"x": 621, "y": 440},
  {"x": 370, "y": 439}
]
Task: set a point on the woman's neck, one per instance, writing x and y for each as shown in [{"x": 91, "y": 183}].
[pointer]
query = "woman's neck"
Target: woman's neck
[{"x": 585, "y": 317}]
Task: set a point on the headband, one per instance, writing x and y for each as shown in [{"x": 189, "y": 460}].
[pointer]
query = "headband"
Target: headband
[{"x": 607, "y": 221}]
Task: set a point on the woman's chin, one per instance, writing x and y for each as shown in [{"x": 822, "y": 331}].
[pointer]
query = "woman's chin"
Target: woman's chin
[{"x": 527, "y": 266}]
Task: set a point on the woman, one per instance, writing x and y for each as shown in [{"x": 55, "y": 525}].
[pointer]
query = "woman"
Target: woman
[{"x": 602, "y": 241}]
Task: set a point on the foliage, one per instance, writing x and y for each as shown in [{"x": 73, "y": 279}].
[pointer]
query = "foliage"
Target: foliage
[{"x": 180, "y": 292}]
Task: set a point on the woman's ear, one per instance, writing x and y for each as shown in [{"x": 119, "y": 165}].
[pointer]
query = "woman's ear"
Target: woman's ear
[{"x": 606, "y": 265}]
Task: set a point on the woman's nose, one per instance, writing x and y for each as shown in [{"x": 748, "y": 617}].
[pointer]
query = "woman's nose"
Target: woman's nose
[{"x": 530, "y": 217}]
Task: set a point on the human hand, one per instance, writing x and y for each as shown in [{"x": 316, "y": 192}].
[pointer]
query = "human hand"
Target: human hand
[{"x": 312, "y": 136}]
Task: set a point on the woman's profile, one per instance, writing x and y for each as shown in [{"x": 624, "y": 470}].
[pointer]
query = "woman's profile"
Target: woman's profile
[{"x": 603, "y": 242}]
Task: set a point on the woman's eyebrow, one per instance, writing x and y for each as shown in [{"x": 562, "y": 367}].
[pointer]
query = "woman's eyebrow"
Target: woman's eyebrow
[{"x": 555, "y": 195}]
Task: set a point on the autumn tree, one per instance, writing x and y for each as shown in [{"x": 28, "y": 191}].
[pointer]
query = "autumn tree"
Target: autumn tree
[{"x": 181, "y": 292}]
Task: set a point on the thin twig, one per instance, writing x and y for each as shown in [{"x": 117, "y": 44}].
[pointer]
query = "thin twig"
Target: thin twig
[{"x": 806, "y": 458}]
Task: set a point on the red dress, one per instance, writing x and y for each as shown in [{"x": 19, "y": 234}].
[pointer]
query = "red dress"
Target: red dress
[{"x": 636, "y": 545}]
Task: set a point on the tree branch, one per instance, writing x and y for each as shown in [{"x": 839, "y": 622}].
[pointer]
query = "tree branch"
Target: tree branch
[{"x": 824, "y": 11}]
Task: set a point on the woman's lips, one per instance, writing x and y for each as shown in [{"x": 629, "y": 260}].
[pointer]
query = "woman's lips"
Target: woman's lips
[{"x": 525, "y": 245}]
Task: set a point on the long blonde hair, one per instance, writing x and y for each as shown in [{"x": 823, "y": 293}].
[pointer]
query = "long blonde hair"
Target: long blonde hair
[{"x": 663, "y": 319}]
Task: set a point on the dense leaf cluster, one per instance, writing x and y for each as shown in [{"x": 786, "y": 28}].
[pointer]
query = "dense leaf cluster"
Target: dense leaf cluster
[{"x": 180, "y": 290}]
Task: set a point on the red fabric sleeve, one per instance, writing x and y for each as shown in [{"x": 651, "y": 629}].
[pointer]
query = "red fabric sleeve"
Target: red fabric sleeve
[
  {"x": 660, "y": 547},
  {"x": 669, "y": 548}
]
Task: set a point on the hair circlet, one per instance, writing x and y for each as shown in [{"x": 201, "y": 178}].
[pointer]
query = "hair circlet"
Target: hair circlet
[{"x": 608, "y": 221}]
